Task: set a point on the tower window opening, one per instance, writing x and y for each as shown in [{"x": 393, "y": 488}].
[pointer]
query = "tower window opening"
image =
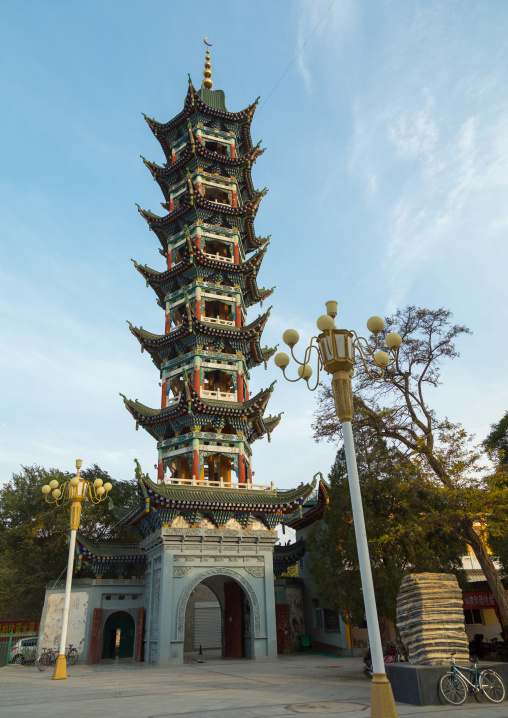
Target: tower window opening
[
  {"x": 218, "y": 313},
  {"x": 216, "y": 147},
  {"x": 176, "y": 385},
  {"x": 178, "y": 468},
  {"x": 218, "y": 469},
  {"x": 218, "y": 385},
  {"x": 176, "y": 318},
  {"x": 214, "y": 194},
  {"x": 218, "y": 250}
]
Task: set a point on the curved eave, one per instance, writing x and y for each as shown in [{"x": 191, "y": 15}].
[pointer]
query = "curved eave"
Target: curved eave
[
  {"x": 113, "y": 550},
  {"x": 245, "y": 115},
  {"x": 159, "y": 128},
  {"x": 249, "y": 409},
  {"x": 155, "y": 222},
  {"x": 313, "y": 514},
  {"x": 251, "y": 266},
  {"x": 286, "y": 556},
  {"x": 248, "y": 500}
]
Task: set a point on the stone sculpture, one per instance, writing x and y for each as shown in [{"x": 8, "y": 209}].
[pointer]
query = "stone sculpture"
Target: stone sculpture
[{"x": 430, "y": 618}]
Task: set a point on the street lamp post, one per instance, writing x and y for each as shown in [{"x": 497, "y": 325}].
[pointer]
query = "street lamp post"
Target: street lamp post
[
  {"x": 75, "y": 491},
  {"x": 336, "y": 353}
]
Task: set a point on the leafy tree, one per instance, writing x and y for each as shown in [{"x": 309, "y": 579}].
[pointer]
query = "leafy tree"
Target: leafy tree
[
  {"x": 397, "y": 410},
  {"x": 403, "y": 525},
  {"x": 497, "y": 441},
  {"x": 34, "y": 535}
]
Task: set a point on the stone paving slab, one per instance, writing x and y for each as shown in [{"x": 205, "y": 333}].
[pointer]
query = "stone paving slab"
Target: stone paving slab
[{"x": 293, "y": 686}]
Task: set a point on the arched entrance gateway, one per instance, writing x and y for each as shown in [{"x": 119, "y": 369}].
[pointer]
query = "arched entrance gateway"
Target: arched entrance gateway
[{"x": 219, "y": 616}]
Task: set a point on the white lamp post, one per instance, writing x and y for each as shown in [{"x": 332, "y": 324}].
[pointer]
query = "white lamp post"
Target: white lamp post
[
  {"x": 336, "y": 353},
  {"x": 75, "y": 490}
]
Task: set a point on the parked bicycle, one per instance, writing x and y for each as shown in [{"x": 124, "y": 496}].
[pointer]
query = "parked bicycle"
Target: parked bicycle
[
  {"x": 454, "y": 686},
  {"x": 49, "y": 656},
  {"x": 392, "y": 654}
]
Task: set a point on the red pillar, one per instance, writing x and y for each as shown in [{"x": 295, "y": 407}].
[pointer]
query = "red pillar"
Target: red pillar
[
  {"x": 250, "y": 474},
  {"x": 170, "y": 258},
  {"x": 164, "y": 390},
  {"x": 236, "y": 254},
  {"x": 195, "y": 464},
  {"x": 246, "y": 394},
  {"x": 173, "y": 157},
  {"x": 233, "y": 199},
  {"x": 171, "y": 204},
  {"x": 241, "y": 469},
  {"x": 199, "y": 187},
  {"x": 198, "y": 241},
  {"x": 167, "y": 327},
  {"x": 197, "y": 385},
  {"x": 139, "y": 634},
  {"x": 95, "y": 638},
  {"x": 160, "y": 472},
  {"x": 239, "y": 395},
  {"x": 198, "y": 308},
  {"x": 233, "y": 151},
  {"x": 238, "y": 317}
]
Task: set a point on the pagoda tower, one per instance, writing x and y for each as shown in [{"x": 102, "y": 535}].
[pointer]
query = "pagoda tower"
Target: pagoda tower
[{"x": 207, "y": 420}]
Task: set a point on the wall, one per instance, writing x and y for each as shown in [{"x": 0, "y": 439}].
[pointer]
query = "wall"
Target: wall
[
  {"x": 322, "y": 638},
  {"x": 51, "y": 628},
  {"x": 87, "y": 594}
]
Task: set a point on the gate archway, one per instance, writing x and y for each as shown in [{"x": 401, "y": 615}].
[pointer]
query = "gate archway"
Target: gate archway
[{"x": 239, "y": 607}]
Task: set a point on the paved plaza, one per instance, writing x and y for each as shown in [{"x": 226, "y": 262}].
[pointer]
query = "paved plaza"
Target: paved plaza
[{"x": 297, "y": 685}]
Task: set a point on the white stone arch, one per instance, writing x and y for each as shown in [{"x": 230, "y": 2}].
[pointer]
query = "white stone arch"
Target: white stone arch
[{"x": 182, "y": 605}]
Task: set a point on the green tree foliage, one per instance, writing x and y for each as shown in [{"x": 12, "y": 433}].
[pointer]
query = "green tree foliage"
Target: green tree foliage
[
  {"x": 497, "y": 445},
  {"x": 397, "y": 409},
  {"x": 34, "y": 535},
  {"x": 497, "y": 441},
  {"x": 403, "y": 523}
]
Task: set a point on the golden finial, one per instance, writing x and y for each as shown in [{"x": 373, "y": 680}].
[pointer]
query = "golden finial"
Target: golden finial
[{"x": 207, "y": 74}]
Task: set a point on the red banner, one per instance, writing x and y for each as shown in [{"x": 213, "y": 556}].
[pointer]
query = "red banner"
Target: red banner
[
  {"x": 19, "y": 626},
  {"x": 480, "y": 599}
]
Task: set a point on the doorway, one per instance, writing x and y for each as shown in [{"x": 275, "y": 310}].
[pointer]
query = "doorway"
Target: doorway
[
  {"x": 217, "y": 619},
  {"x": 119, "y": 632}
]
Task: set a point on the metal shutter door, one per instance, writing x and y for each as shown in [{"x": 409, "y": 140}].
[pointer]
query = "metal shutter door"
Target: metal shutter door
[{"x": 207, "y": 625}]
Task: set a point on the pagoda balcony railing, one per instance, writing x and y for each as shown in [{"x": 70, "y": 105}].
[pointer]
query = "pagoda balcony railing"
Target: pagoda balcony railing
[
  {"x": 222, "y": 395},
  {"x": 216, "y": 320},
  {"x": 220, "y": 257},
  {"x": 218, "y": 484},
  {"x": 171, "y": 401}
]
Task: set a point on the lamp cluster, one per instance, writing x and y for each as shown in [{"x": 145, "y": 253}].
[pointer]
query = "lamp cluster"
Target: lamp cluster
[
  {"x": 336, "y": 348},
  {"x": 76, "y": 489}
]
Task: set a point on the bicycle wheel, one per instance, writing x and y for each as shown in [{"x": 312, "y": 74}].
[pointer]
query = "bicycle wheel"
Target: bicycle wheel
[
  {"x": 492, "y": 686},
  {"x": 453, "y": 688},
  {"x": 42, "y": 662},
  {"x": 72, "y": 657}
]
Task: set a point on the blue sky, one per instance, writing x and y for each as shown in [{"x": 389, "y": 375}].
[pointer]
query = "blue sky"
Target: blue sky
[{"x": 387, "y": 169}]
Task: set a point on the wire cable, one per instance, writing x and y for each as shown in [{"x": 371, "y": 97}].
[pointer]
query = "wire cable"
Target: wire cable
[{"x": 295, "y": 57}]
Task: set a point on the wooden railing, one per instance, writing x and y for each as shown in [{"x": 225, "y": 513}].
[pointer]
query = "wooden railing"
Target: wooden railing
[
  {"x": 219, "y": 484},
  {"x": 222, "y": 395},
  {"x": 216, "y": 320},
  {"x": 220, "y": 257}
]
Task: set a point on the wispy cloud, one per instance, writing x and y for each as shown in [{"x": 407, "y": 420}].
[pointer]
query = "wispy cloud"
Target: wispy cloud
[{"x": 322, "y": 25}]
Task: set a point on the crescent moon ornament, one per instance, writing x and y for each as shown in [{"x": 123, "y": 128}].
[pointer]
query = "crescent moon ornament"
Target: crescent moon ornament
[{"x": 207, "y": 43}]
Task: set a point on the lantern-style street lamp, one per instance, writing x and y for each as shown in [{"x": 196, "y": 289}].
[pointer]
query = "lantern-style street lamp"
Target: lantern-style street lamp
[
  {"x": 337, "y": 350},
  {"x": 76, "y": 490}
]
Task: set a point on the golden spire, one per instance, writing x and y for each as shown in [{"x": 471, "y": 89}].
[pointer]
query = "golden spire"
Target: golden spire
[{"x": 207, "y": 74}]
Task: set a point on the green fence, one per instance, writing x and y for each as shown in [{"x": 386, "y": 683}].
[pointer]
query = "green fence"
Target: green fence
[{"x": 17, "y": 648}]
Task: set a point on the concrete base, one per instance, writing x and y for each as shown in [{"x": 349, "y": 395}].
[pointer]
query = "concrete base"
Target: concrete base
[{"x": 418, "y": 685}]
